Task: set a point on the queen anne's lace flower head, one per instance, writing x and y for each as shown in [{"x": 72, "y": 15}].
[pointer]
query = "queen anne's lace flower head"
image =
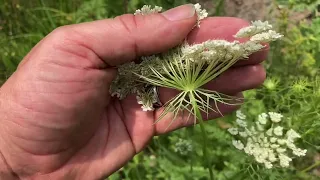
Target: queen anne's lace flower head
[
  {"x": 266, "y": 140},
  {"x": 221, "y": 54}
]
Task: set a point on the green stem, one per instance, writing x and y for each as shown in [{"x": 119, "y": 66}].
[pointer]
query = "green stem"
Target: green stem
[
  {"x": 137, "y": 172},
  {"x": 203, "y": 133},
  {"x": 53, "y": 25},
  {"x": 191, "y": 166},
  {"x": 314, "y": 165},
  {"x": 219, "y": 8}
]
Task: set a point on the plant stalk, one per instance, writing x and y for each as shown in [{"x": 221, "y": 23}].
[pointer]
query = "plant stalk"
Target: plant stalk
[
  {"x": 53, "y": 25},
  {"x": 203, "y": 133},
  {"x": 314, "y": 165}
]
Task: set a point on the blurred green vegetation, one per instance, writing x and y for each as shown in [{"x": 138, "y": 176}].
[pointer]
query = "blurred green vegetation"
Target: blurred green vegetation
[{"x": 292, "y": 87}]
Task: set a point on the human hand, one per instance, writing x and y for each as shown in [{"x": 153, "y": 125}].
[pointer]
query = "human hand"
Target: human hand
[{"x": 58, "y": 119}]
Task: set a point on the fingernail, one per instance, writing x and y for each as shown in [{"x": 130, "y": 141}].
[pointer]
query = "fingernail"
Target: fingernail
[{"x": 180, "y": 12}]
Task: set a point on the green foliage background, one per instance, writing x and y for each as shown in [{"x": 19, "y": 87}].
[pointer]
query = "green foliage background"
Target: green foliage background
[{"x": 292, "y": 87}]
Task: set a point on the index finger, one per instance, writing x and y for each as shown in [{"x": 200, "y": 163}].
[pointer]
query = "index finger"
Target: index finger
[{"x": 225, "y": 28}]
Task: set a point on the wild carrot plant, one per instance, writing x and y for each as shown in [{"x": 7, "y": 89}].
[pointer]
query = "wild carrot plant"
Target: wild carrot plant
[
  {"x": 188, "y": 68},
  {"x": 292, "y": 88}
]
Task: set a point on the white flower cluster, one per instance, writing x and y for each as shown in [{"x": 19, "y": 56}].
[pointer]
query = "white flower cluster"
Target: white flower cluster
[
  {"x": 221, "y": 50},
  {"x": 183, "y": 147},
  {"x": 147, "y": 98},
  {"x": 266, "y": 36},
  {"x": 220, "y": 54},
  {"x": 213, "y": 50},
  {"x": 147, "y": 9},
  {"x": 266, "y": 140},
  {"x": 124, "y": 84},
  {"x": 255, "y": 28},
  {"x": 259, "y": 31},
  {"x": 201, "y": 13}
]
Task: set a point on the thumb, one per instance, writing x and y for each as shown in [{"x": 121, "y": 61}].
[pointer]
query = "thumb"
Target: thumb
[{"x": 122, "y": 39}]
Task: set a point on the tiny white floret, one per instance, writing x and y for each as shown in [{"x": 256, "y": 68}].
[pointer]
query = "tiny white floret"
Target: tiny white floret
[
  {"x": 278, "y": 131},
  {"x": 238, "y": 144}
]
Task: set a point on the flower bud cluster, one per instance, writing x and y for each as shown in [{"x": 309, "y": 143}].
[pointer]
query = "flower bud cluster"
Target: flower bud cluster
[{"x": 266, "y": 140}]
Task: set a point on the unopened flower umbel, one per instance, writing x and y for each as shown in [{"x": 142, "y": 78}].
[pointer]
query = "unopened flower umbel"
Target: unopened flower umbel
[
  {"x": 267, "y": 141},
  {"x": 183, "y": 147}
]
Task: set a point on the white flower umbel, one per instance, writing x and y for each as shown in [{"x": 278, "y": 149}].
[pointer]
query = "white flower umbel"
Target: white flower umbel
[
  {"x": 256, "y": 27},
  {"x": 187, "y": 68},
  {"x": 270, "y": 145}
]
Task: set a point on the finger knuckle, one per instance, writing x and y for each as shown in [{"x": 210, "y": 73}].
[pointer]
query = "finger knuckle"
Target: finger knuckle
[
  {"x": 129, "y": 22},
  {"x": 65, "y": 35},
  {"x": 260, "y": 73},
  {"x": 61, "y": 32}
]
